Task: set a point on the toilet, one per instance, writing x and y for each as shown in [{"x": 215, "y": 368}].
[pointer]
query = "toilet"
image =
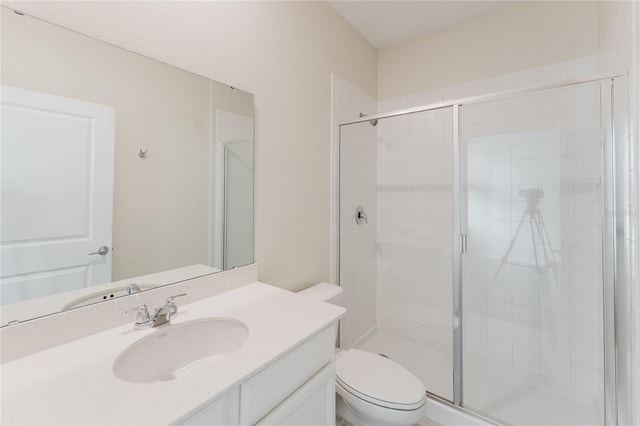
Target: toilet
[{"x": 371, "y": 390}]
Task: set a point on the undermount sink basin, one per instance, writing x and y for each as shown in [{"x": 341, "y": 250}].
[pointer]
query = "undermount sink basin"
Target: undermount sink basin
[{"x": 178, "y": 349}]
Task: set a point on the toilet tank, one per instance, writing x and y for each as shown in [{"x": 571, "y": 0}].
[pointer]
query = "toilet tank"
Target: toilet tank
[{"x": 323, "y": 292}]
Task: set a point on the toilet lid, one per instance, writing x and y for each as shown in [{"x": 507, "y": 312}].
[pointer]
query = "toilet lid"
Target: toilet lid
[{"x": 379, "y": 380}]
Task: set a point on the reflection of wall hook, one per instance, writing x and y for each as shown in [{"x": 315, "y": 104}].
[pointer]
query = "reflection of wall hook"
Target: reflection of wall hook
[{"x": 142, "y": 153}]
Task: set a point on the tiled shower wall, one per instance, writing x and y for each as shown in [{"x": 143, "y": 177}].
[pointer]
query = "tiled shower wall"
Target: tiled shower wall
[
  {"x": 504, "y": 329},
  {"x": 415, "y": 170},
  {"x": 532, "y": 275},
  {"x": 393, "y": 314}
]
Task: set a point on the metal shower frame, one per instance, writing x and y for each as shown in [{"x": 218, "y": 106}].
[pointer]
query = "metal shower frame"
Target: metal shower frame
[{"x": 615, "y": 157}]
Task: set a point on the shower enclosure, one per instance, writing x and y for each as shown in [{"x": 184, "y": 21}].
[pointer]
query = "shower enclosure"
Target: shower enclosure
[{"x": 492, "y": 253}]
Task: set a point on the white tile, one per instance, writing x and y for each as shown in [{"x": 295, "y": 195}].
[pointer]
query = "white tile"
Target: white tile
[
  {"x": 500, "y": 210},
  {"x": 553, "y": 73},
  {"x": 585, "y": 282},
  {"x": 524, "y": 145},
  {"x": 500, "y": 189},
  {"x": 585, "y": 167},
  {"x": 476, "y": 345},
  {"x": 554, "y": 299},
  {"x": 583, "y": 213},
  {"x": 524, "y": 78},
  {"x": 587, "y": 331},
  {"x": 588, "y": 307},
  {"x": 524, "y": 106},
  {"x": 584, "y": 259},
  {"x": 584, "y": 236},
  {"x": 557, "y": 122},
  {"x": 554, "y": 211},
  {"x": 501, "y": 169},
  {"x": 549, "y": 168},
  {"x": 499, "y": 329},
  {"x": 525, "y": 316},
  {"x": 474, "y": 88},
  {"x": 552, "y": 102},
  {"x": 498, "y": 83},
  {"x": 584, "y": 120},
  {"x": 581, "y": 67},
  {"x": 583, "y": 143},
  {"x": 527, "y": 123},
  {"x": 434, "y": 119},
  {"x": 451, "y": 93},
  {"x": 434, "y": 96},
  {"x": 550, "y": 144},
  {"x": 588, "y": 379},
  {"x": 584, "y": 96},
  {"x": 556, "y": 369},
  {"x": 498, "y": 128},
  {"x": 527, "y": 294},
  {"x": 500, "y": 292},
  {"x": 500, "y": 351},
  {"x": 415, "y": 100},
  {"x": 388, "y": 105},
  {"x": 586, "y": 355},
  {"x": 526, "y": 360},
  {"x": 474, "y": 114},
  {"x": 556, "y": 334},
  {"x": 500, "y": 230},
  {"x": 498, "y": 110}
]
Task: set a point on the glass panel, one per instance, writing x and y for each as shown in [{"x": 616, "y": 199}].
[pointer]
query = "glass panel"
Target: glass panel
[
  {"x": 400, "y": 172},
  {"x": 532, "y": 275}
]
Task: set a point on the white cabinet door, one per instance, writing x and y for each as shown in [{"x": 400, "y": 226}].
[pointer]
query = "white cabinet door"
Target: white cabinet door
[
  {"x": 311, "y": 405},
  {"x": 221, "y": 412},
  {"x": 56, "y": 194}
]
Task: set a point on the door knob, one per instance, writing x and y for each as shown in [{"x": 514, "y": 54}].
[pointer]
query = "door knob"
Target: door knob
[{"x": 101, "y": 251}]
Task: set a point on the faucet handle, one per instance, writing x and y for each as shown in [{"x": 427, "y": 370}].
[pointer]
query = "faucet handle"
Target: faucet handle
[
  {"x": 142, "y": 319},
  {"x": 170, "y": 298},
  {"x": 173, "y": 309}
]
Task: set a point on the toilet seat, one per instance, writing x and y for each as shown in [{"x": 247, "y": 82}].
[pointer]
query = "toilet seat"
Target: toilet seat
[{"x": 379, "y": 380}]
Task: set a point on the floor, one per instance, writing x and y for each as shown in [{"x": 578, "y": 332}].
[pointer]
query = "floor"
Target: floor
[
  {"x": 427, "y": 422},
  {"x": 500, "y": 394}
]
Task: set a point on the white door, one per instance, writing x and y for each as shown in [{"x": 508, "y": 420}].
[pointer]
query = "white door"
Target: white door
[{"x": 56, "y": 208}]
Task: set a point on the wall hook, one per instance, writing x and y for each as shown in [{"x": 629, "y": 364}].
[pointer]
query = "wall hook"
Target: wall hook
[{"x": 142, "y": 153}]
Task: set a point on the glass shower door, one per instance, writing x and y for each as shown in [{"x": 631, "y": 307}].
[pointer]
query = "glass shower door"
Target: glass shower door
[
  {"x": 396, "y": 266},
  {"x": 532, "y": 290}
]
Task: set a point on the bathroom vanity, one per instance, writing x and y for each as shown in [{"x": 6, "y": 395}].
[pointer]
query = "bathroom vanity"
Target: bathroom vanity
[{"x": 282, "y": 373}]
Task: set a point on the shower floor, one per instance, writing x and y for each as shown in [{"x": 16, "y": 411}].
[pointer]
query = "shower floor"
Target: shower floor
[{"x": 497, "y": 393}]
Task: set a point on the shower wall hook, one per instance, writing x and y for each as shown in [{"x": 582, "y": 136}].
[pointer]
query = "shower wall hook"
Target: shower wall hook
[{"x": 143, "y": 153}]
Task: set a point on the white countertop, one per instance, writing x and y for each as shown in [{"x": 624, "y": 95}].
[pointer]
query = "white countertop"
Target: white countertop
[{"x": 74, "y": 383}]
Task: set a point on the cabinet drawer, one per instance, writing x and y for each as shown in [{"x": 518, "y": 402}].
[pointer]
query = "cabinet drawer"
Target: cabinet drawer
[{"x": 264, "y": 391}]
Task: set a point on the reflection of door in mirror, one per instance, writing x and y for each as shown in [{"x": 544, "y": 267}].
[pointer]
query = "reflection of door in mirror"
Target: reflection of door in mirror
[
  {"x": 57, "y": 194},
  {"x": 234, "y": 220}
]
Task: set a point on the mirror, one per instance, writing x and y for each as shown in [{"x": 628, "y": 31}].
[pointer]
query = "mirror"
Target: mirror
[{"x": 119, "y": 173}]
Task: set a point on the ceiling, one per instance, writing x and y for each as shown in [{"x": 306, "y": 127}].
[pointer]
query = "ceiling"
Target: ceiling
[{"x": 391, "y": 22}]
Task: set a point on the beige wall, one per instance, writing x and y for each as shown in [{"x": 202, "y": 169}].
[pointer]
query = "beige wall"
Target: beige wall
[
  {"x": 283, "y": 52},
  {"x": 519, "y": 37}
]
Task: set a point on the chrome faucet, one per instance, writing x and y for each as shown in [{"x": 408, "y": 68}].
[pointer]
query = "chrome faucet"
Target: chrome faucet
[
  {"x": 133, "y": 288},
  {"x": 162, "y": 315}
]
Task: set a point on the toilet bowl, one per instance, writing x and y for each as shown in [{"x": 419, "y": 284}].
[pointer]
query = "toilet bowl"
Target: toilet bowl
[{"x": 371, "y": 390}]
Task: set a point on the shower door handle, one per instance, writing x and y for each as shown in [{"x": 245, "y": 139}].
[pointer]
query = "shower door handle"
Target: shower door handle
[{"x": 462, "y": 243}]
